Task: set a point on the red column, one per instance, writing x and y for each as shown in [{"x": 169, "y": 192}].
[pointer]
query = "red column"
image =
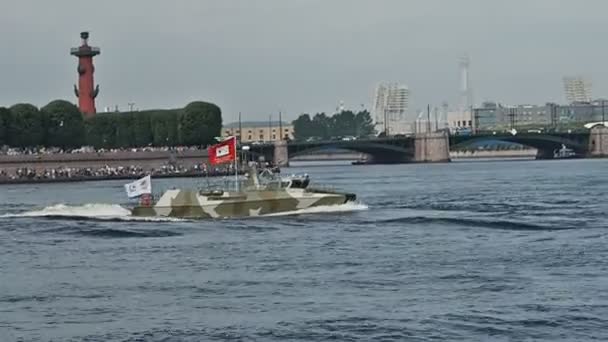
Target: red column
[{"x": 86, "y": 90}]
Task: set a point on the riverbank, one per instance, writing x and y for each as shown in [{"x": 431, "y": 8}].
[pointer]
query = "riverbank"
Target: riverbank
[
  {"x": 112, "y": 177},
  {"x": 148, "y": 160},
  {"x": 493, "y": 154}
]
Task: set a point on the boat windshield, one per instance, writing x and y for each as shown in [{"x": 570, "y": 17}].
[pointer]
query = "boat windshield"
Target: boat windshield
[{"x": 268, "y": 180}]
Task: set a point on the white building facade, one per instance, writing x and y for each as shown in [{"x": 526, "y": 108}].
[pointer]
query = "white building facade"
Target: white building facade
[
  {"x": 390, "y": 106},
  {"x": 577, "y": 89}
]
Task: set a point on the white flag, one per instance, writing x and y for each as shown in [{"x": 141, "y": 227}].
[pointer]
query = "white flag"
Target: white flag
[
  {"x": 222, "y": 151},
  {"x": 139, "y": 187}
]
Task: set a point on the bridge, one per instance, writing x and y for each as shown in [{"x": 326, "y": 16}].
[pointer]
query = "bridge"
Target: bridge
[
  {"x": 435, "y": 147},
  {"x": 544, "y": 143},
  {"x": 424, "y": 148}
]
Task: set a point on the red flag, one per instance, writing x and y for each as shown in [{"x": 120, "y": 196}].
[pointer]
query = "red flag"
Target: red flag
[{"x": 223, "y": 152}]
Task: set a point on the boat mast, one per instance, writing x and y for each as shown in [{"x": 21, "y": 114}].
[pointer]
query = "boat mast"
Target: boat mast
[
  {"x": 236, "y": 167},
  {"x": 236, "y": 170}
]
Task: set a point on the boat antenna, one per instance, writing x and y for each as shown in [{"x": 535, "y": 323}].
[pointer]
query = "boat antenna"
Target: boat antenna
[{"x": 208, "y": 168}]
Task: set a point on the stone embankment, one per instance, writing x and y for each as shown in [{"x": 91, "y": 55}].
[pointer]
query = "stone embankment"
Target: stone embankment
[
  {"x": 66, "y": 167},
  {"x": 494, "y": 154},
  {"x": 144, "y": 159}
]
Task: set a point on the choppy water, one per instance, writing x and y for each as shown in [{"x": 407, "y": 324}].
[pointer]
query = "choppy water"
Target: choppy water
[{"x": 475, "y": 251}]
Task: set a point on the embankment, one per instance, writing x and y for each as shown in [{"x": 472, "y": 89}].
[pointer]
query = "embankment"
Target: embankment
[
  {"x": 144, "y": 159},
  {"x": 493, "y": 154}
]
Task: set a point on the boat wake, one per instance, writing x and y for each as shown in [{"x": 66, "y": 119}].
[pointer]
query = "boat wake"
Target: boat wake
[
  {"x": 91, "y": 211},
  {"x": 114, "y": 212},
  {"x": 322, "y": 209}
]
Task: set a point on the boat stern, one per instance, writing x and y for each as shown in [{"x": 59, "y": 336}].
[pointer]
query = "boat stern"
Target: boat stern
[{"x": 350, "y": 197}]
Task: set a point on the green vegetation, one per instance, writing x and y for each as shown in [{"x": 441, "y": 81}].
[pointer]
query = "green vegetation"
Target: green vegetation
[
  {"x": 26, "y": 127},
  {"x": 60, "y": 124},
  {"x": 5, "y": 120},
  {"x": 199, "y": 123},
  {"x": 64, "y": 124},
  {"x": 345, "y": 123}
]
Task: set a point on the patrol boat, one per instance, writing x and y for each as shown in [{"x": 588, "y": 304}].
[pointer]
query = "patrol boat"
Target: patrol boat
[{"x": 263, "y": 193}]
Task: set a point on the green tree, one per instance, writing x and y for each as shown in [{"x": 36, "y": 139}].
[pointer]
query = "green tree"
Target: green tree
[
  {"x": 303, "y": 127},
  {"x": 173, "y": 128},
  {"x": 64, "y": 124},
  {"x": 160, "y": 128},
  {"x": 364, "y": 124},
  {"x": 125, "y": 136},
  {"x": 60, "y": 124},
  {"x": 199, "y": 123},
  {"x": 164, "y": 127},
  {"x": 101, "y": 131},
  {"x": 5, "y": 125},
  {"x": 27, "y": 129},
  {"x": 343, "y": 124},
  {"x": 142, "y": 130},
  {"x": 321, "y": 124}
]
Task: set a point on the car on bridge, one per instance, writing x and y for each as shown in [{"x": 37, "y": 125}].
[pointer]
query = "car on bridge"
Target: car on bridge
[{"x": 313, "y": 139}]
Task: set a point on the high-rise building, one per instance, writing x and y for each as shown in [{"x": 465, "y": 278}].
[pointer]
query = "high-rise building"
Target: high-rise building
[
  {"x": 390, "y": 106},
  {"x": 466, "y": 91},
  {"x": 577, "y": 89}
]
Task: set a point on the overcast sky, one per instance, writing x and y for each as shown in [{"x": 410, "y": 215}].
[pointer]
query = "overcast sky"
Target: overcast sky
[{"x": 262, "y": 56}]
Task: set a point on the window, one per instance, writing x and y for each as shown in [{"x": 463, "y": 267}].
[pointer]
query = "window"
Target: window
[
  {"x": 274, "y": 137},
  {"x": 261, "y": 136},
  {"x": 238, "y": 131},
  {"x": 274, "y": 130},
  {"x": 249, "y": 138},
  {"x": 261, "y": 131},
  {"x": 286, "y": 129},
  {"x": 249, "y": 131},
  {"x": 470, "y": 123}
]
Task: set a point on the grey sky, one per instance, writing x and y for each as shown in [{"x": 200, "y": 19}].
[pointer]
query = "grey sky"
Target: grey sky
[{"x": 262, "y": 56}]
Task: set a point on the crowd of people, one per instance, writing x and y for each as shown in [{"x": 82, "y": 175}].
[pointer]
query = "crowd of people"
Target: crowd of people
[
  {"x": 71, "y": 173},
  {"x": 12, "y": 151},
  {"x": 108, "y": 172}
]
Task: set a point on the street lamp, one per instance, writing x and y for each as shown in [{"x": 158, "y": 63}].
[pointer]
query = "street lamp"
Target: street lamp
[
  {"x": 603, "y": 119},
  {"x": 245, "y": 149}
]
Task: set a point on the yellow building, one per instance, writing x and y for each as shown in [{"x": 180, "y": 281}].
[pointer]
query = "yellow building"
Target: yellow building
[{"x": 258, "y": 131}]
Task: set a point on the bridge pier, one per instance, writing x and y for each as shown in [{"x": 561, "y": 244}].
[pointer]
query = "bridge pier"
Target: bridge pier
[
  {"x": 432, "y": 148},
  {"x": 544, "y": 154},
  {"x": 598, "y": 141},
  {"x": 281, "y": 154}
]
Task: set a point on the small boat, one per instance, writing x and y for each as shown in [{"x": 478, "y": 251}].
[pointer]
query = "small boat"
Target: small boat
[
  {"x": 564, "y": 153},
  {"x": 362, "y": 161},
  {"x": 262, "y": 193}
]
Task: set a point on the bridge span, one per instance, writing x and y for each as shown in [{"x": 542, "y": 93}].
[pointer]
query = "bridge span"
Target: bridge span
[
  {"x": 431, "y": 147},
  {"x": 435, "y": 147}
]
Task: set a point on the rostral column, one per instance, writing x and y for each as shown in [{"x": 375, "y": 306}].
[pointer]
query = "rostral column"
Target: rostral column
[{"x": 85, "y": 91}]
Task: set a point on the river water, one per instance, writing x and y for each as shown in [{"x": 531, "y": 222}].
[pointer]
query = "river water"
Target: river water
[{"x": 492, "y": 251}]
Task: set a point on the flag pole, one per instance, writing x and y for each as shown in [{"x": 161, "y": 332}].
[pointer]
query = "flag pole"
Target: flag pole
[{"x": 236, "y": 169}]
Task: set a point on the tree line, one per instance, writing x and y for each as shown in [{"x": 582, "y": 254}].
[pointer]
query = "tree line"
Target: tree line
[
  {"x": 344, "y": 123},
  {"x": 60, "y": 124}
]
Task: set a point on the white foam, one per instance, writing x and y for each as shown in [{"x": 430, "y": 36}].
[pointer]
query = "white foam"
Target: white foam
[
  {"x": 338, "y": 208},
  {"x": 90, "y": 210},
  {"x": 116, "y": 212}
]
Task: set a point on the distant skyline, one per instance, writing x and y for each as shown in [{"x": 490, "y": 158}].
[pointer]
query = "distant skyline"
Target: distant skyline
[{"x": 296, "y": 56}]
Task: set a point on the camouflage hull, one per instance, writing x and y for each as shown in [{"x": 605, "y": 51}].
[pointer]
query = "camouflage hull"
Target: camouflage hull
[{"x": 197, "y": 204}]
